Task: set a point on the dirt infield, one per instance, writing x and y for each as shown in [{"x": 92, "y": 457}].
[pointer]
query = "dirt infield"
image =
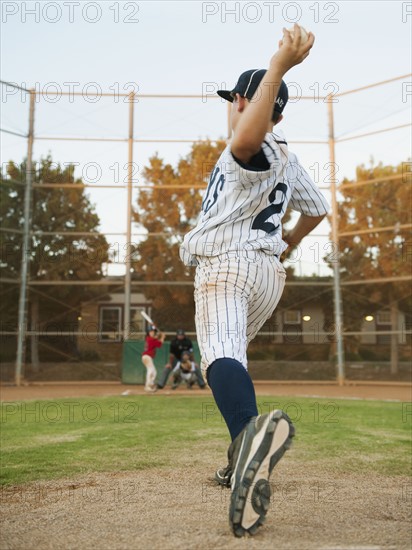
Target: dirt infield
[
  {"x": 360, "y": 390},
  {"x": 182, "y": 508}
]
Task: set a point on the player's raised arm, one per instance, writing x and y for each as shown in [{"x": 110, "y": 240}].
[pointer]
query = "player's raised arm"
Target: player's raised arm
[{"x": 251, "y": 128}]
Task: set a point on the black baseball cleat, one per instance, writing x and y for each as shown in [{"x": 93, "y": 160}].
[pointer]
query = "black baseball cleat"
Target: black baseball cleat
[
  {"x": 223, "y": 475},
  {"x": 252, "y": 456}
]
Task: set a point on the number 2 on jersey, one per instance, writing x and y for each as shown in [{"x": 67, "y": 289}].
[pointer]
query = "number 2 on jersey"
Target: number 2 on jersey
[{"x": 260, "y": 221}]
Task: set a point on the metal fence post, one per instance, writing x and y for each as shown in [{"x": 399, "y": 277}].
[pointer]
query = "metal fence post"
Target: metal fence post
[
  {"x": 337, "y": 298},
  {"x": 128, "y": 262},
  {"x": 25, "y": 259}
]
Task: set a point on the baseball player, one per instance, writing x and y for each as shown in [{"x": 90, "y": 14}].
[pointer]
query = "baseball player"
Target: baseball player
[
  {"x": 153, "y": 340},
  {"x": 185, "y": 370},
  {"x": 178, "y": 346},
  {"x": 239, "y": 279}
]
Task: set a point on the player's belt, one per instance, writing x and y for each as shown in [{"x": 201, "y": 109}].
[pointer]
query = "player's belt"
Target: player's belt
[{"x": 246, "y": 255}]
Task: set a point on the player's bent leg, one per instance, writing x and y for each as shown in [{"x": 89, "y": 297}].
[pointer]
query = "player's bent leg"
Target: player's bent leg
[
  {"x": 252, "y": 457},
  {"x": 199, "y": 378},
  {"x": 164, "y": 377},
  {"x": 150, "y": 373},
  {"x": 222, "y": 309},
  {"x": 152, "y": 376},
  {"x": 232, "y": 303},
  {"x": 233, "y": 392},
  {"x": 271, "y": 284}
]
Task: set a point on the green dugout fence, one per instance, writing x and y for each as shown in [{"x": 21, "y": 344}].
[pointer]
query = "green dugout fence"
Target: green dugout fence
[{"x": 133, "y": 370}]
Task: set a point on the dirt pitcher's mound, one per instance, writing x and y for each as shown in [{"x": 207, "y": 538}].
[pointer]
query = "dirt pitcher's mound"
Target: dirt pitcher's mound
[{"x": 184, "y": 509}]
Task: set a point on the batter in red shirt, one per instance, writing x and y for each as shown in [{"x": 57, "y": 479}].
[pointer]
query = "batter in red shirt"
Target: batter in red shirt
[{"x": 154, "y": 340}]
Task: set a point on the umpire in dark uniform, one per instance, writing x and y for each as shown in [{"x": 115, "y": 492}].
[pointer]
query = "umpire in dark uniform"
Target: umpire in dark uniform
[{"x": 177, "y": 346}]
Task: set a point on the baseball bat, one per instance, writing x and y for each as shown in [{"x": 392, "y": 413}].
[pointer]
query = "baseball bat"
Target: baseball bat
[{"x": 147, "y": 318}]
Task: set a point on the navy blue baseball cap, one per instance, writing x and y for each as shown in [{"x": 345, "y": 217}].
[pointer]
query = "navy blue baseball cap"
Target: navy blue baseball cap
[{"x": 247, "y": 85}]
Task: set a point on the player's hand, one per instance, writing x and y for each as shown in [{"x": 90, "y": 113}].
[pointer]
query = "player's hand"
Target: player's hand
[
  {"x": 291, "y": 50},
  {"x": 168, "y": 366},
  {"x": 290, "y": 240}
]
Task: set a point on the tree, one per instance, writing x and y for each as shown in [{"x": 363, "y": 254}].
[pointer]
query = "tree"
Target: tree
[
  {"x": 384, "y": 203},
  {"x": 169, "y": 214},
  {"x": 54, "y": 257}
]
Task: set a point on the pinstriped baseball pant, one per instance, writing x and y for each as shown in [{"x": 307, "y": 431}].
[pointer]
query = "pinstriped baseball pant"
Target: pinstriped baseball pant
[{"x": 235, "y": 293}]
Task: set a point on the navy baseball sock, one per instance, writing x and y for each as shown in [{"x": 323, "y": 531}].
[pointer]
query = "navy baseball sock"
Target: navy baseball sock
[{"x": 234, "y": 393}]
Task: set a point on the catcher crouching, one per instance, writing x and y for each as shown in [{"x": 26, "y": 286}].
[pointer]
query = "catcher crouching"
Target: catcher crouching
[{"x": 187, "y": 371}]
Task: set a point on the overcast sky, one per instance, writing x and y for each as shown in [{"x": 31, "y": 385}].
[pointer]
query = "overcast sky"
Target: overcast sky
[{"x": 195, "y": 48}]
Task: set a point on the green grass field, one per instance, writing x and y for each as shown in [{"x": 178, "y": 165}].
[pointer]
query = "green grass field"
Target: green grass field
[{"x": 43, "y": 440}]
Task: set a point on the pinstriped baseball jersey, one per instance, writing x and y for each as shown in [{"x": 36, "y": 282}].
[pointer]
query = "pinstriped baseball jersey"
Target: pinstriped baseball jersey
[{"x": 243, "y": 206}]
